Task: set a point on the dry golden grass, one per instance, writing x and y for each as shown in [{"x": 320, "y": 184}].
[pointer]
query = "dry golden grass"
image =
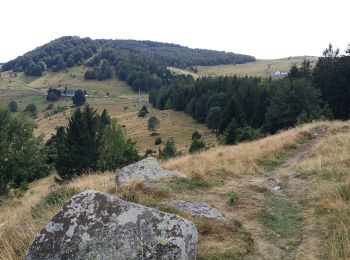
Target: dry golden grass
[
  {"x": 241, "y": 159},
  {"x": 17, "y": 224},
  {"x": 262, "y": 68},
  {"x": 183, "y": 71},
  {"x": 328, "y": 170},
  {"x": 25, "y": 90},
  {"x": 217, "y": 239}
]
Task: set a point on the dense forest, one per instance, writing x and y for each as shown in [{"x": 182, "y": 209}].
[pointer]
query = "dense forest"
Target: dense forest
[
  {"x": 142, "y": 64},
  {"x": 244, "y": 108}
]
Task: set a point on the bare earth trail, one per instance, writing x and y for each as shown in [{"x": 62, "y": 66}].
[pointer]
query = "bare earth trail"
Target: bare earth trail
[{"x": 273, "y": 208}]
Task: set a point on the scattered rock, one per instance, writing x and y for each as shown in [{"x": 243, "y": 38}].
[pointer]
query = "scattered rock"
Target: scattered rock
[
  {"x": 346, "y": 126},
  {"x": 200, "y": 209},
  {"x": 95, "y": 225},
  {"x": 257, "y": 188},
  {"x": 296, "y": 174},
  {"x": 144, "y": 170}
]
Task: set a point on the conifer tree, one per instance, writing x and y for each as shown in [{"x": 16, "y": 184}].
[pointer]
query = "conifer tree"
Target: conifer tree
[{"x": 80, "y": 151}]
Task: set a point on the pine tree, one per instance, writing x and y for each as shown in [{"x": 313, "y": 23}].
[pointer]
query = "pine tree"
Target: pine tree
[{"x": 80, "y": 150}]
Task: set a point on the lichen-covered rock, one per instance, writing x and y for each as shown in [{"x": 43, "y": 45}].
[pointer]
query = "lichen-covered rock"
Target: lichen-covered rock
[
  {"x": 144, "y": 170},
  {"x": 95, "y": 225},
  {"x": 200, "y": 209}
]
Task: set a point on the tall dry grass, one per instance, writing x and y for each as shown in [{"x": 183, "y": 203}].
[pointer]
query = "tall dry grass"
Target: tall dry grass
[
  {"x": 328, "y": 170},
  {"x": 244, "y": 158},
  {"x": 18, "y": 225}
]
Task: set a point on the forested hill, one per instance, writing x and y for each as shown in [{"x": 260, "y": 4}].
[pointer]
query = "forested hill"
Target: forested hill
[{"x": 141, "y": 63}]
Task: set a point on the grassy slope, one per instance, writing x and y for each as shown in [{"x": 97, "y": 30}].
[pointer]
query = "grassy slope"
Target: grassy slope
[
  {"x": 27, "y": 90},
  {"x": 259, "y": 224},
  {"x": 262, "y": 68}
]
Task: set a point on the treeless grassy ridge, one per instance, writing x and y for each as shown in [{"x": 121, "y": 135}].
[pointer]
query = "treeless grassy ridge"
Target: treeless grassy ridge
[
  {"x": 119, "y": 104},
  {"x": 261, "y": 67},
  {"x": 221, "y": 176}
]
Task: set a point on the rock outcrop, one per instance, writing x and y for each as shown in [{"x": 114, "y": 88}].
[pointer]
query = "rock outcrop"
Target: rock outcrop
[
  {"x": 95, "y": 225},
  {"x": 199, "y": 209},
  {"x": 144, "y": 170}
]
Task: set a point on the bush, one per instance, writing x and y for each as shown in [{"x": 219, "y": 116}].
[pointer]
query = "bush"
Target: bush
[
  {"x": 149, "y": 152},
  {"x": 55, "y": 198},
  {"x": 232, "y": 198},
  {"x": 158, "y": 141},
  {"x": 143, "y": 112},
  {"x": 197, "y": 145},
  {"x": 196, "y": 135},
  {"x": 153, "y": 124},
  {"x": 50, "y": 106},
  {"x": 53, "y": 94},
  {"x": 31, "y": 108},
  {"x": 169, "y": 150},
  {"x": 13, "y": 106}
]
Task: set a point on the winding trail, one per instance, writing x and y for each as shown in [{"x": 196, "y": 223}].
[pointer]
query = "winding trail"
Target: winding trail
[{"x": 286, "y": 187}]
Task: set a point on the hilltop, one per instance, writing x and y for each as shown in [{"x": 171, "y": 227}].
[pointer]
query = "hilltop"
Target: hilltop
[
  {"x": 271, "y": 192},
  {"x": 142, "y": 64}
]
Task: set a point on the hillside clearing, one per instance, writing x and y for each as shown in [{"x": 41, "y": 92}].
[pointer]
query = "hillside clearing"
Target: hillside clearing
[
  {"x": 114, "y": 95},
  {"x": 260, "y": 68}
]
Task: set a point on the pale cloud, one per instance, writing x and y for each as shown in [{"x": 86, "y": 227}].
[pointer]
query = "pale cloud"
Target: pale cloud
[{"x": 265, "y": 29}]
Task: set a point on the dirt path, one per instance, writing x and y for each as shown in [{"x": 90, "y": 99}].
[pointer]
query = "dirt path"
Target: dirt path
[{"x": 273, "y": 208}]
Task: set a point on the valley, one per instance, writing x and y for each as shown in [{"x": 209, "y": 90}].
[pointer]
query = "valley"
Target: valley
[{"x": 120, "y": 104}]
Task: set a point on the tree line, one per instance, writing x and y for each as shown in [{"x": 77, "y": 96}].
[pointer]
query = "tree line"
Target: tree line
[{"x": 245, "y": 108}]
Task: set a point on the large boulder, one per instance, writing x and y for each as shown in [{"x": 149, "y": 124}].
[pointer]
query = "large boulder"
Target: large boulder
[
  {"x": 95, "y": 225},
  {"x": 144, "y": 170},
  {"x": 198, "y": 208}
]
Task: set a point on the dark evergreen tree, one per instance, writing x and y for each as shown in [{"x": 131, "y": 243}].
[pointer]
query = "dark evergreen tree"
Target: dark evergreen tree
[
  {"x": 214, "y": 118},
  {"x": 80, "y": 150},
  {"x": 143, "y": 112},
  {"x": 31, "y": 108},
  {"x": 13, "y": 107},
  {"x": 105, "y": 118},
  {"x": 79, "y": 98},
  {"x": 169, "y": 150}
]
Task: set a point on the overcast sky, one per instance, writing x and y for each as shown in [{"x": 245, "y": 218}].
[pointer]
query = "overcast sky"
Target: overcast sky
[{"x": 262, "y": 28}]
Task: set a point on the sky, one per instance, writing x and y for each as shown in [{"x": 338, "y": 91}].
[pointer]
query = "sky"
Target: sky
[{"x": 262, "y": 28}]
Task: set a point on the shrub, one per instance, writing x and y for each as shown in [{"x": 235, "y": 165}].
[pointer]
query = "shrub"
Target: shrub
[
  {"x": 149, "y": 152},
  {"x": 31, "y": 108},
  {"x": 197, "y": 145},
  {"x": 54, "y": 199},
  {"x": 232, "y": 198},
  {"x": 143, "y": 112},
  {"x": 196, "y": 135},
  {"x": 158, "y": 141},
  {"x": 169, "y": 150},
  {"x": 13, "y": 106}
]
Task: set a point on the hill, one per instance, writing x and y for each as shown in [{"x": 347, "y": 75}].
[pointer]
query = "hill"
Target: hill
[
  {"x": 260, "y": 67},
  {"x": 142, "y": 64},
  {"x": 284, "y": 196},
  {"x": 121, "y": 102}
]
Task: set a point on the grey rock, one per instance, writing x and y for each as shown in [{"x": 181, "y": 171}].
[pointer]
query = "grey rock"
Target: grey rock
[
  {"x": 346, "y": 126},
  {"x": 144, "y": 170},
  {"x": 198, "y": 208},
  {"x": 95, "y": 225}
]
